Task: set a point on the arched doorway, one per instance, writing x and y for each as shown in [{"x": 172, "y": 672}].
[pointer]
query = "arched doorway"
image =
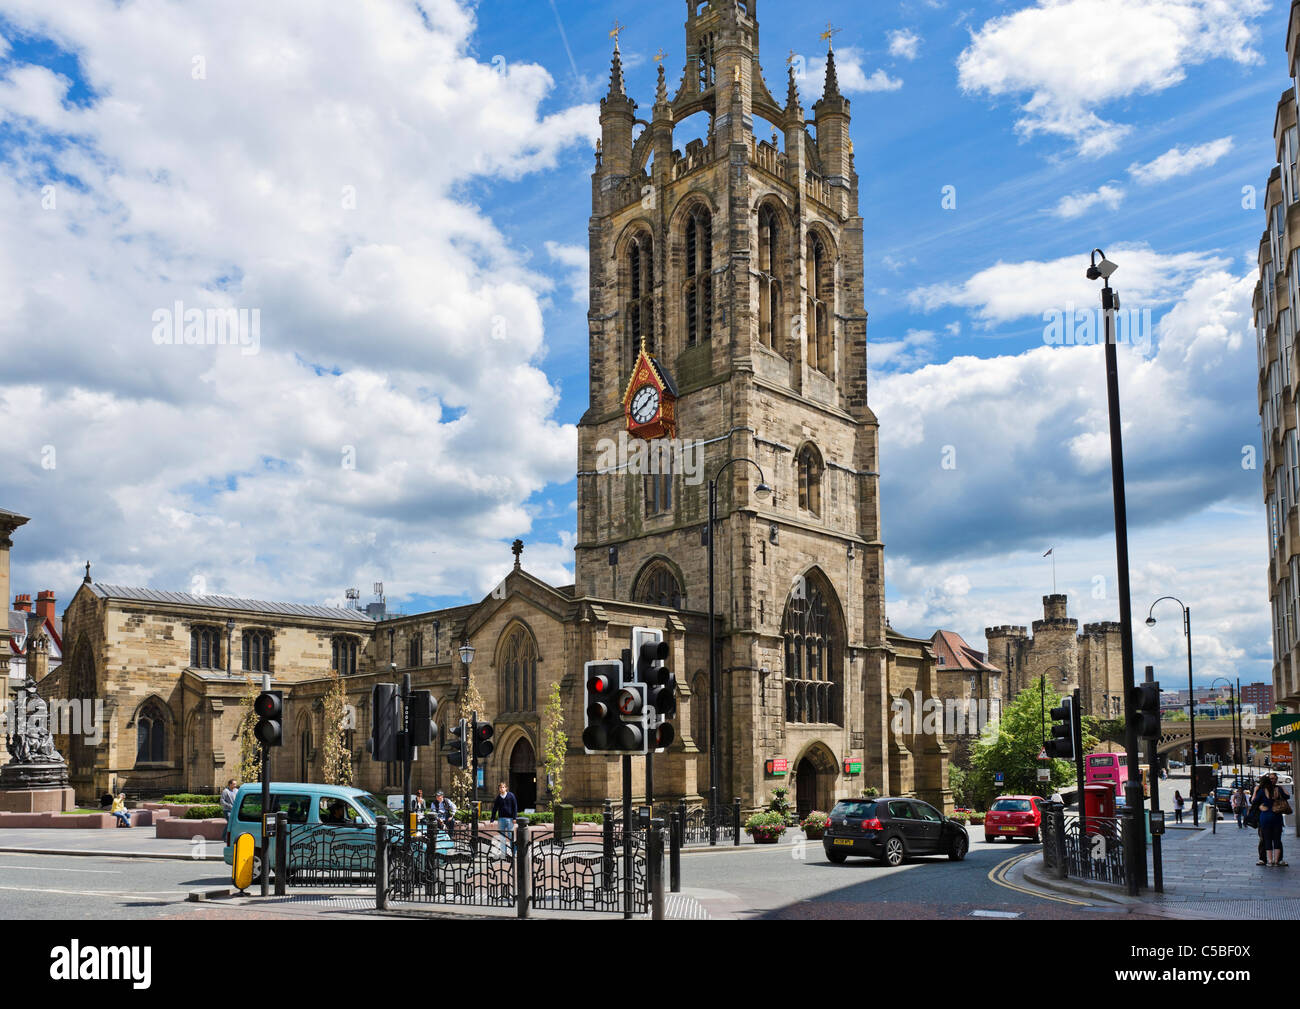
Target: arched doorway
[
  {"x": 523, "y": 774},
  {"x": 805, "y": 776},
  {"x": 815, "y": 778}
]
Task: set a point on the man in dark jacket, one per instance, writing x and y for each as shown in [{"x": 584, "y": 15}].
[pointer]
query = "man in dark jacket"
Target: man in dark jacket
[{"x": 505, "y": 807}]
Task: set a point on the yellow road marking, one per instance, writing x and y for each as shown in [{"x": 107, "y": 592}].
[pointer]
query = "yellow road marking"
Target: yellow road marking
[{"x": 998, "y": 875}]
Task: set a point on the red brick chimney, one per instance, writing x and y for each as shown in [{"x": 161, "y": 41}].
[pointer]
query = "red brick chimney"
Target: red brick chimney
[
  {"x": 45, "y": 605},
  {"x": 23, "y": 602}
]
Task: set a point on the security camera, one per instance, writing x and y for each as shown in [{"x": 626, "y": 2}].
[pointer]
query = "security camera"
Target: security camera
[{"x": 1102, "y": 271}]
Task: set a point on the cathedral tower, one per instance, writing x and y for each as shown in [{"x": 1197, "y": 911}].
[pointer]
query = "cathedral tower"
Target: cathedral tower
[{"x": 725, "y": 239}]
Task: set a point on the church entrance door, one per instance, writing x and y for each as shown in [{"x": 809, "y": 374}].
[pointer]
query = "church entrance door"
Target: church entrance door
[{"x": 523, "y": 774}]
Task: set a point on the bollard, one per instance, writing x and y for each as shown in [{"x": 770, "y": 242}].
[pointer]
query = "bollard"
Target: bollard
[
  {"x": 1058, "y": 831},
  {"x": 735, "y": 821},
  {"x": 523, "y": 873},
  {"x": 381, "y": 863},
  {"x": 430, "y": 850},
  {"x": 608, "y": 874},
  {"x": 281, "y": 851},
  {"x": 675, "y": 854},
  {"x": 655, "y": 853}
]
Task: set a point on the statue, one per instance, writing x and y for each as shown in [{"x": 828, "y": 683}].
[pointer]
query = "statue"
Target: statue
[{"x": 34, "y": 762}]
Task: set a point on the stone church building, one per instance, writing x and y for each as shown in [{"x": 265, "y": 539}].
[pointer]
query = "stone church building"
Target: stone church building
[{"x": 726, "y": 243}]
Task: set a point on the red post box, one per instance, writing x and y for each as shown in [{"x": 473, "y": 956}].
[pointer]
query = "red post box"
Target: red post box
[{"x": 1099, "y": 801}]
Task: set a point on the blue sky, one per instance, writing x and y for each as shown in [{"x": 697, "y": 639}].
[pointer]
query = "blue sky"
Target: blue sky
[{"x": 202, "y": 157}]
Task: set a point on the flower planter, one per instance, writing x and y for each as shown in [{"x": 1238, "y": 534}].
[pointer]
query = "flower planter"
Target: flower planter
[
  {"x": 766, "y": 837},
  {"x": 814, "y": 833}
]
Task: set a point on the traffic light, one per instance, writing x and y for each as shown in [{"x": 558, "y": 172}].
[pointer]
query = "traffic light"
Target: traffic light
[
  {"x": 483, "y": 744},
  {"x": 385, "y": 722},
  {"x": 661, "y": 685},
  {"x": 634, "y": 728},
  {"x": 1145, "y": 702},
  {"x": 601, "y": 685},
  {"x": 420, "y": 713},
  {"x": 269, "y": 706},
  {"x": 457, "y": 754},
  {"x": 1061, "y": 745}
]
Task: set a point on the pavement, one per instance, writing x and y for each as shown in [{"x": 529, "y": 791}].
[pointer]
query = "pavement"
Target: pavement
[
  {"x": 133, "y": 842},
  {"x": 1209, "y": 873}
]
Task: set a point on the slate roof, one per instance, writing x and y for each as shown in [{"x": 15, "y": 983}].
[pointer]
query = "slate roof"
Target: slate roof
[
  {"x": 956, "y": 654},
  {"x": 230, "y": 603}
]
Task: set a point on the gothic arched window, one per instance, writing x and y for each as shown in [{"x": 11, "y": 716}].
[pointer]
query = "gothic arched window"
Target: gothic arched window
[
  {"x": 205, "y": 648},
  {"x": 658, "y": 586},
  {"x": 707, "y": 69},
  {"x": 810, "y": 467},
  {"x": 519, "y": 672},
  {"x": 343, "y": 654},
  {"x": 812, "y": 665},
  {"x": 151, "y": 734},
  {"x": 415, "y": 650},
  {"x": 640, "y": 312},
  {"x": 257, "y": 651},
  {"x": 821, "y": 280},
  {"x": 698, "y": 262},
  {"x": 769, "y": 287}
]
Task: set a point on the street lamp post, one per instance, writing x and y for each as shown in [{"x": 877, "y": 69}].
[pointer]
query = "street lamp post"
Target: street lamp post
[
  {"x": 1233, "y": 714},
  {"x": 1103, "y": 269},
  {"x": 466, "y": 657},
  {"x": 762, "y": 491},
  {"x": 1191, "y": 690}
]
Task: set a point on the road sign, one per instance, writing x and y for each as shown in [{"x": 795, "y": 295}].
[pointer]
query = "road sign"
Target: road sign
[
  {"x": 1044, "y": 774},
  {"x": 1042, "y": 755},
  {"x": 998, "y": 777}
]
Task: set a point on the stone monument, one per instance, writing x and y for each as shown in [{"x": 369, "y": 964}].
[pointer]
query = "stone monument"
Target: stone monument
[{"x": 36, "y": 778}]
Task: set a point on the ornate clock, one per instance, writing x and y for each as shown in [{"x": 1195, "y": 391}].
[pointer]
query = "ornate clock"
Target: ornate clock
[{"x": 649, "y": 401}]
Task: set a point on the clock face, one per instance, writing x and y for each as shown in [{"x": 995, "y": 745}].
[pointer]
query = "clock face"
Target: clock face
[{"x": 645, "y": 404}]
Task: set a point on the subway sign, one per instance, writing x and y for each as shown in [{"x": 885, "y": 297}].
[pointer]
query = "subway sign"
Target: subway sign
[{"x": 1286, "y": 728}]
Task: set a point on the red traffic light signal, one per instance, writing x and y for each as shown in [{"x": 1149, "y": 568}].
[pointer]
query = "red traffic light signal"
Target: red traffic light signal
[
  {"x": 269, "y": 708},
  {"x": 483, "y": 744}
]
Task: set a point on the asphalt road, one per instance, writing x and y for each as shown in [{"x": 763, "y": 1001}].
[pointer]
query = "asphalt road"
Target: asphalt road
[
  {"x": 89, "y": 888},
  {"x": 796, "y": 880}
]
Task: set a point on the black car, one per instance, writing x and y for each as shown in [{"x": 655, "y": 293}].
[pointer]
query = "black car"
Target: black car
[{"x": 892, "y": 830}]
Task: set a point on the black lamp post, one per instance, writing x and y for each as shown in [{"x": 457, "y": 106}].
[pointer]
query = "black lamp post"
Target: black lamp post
[
  {"x": 1191, "y": 690},
  {"x": 762, "y": 491},
  {"x": 1101, "y": 268},
  {"x": 1233, "y": 714}
]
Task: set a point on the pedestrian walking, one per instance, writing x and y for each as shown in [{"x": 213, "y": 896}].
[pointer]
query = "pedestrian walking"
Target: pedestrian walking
[
  {"x": 505, "y": 808},
  {"x": 228, "y": 797},
  {"x": 1271, "y": 804},
  {"x": 119, "y": 810},
  {"x": 1179, "y": 801},
  {"x": 1240, "y": 803}
]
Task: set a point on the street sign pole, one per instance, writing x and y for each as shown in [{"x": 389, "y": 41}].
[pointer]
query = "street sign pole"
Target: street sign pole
[
  {"x": 266, "y": 801},
  {"x": 1153, "y": 758},
  {"x": 406, "y": 758},
  {"x": 628, "y": 881}
]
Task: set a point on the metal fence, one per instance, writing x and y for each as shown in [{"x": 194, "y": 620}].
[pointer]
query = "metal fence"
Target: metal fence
[
  {"x": 1094, "y": 853},
  {"x": 710, "y": 824},
  {"x": 317, "y": 855}
]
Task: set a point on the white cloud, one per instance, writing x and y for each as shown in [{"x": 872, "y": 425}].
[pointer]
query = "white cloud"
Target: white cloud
[
  {"x": 577, "y": 261},
  {"x": 904, "y": 43},
  {"x": 914, "y": 349},
  {"x": 1181, "y": 161},
  {"x": 1071, "y": 58},
  {"x": 1007, "y": 291},
  {"x": 398, "y": 325},
  {"x": 851, "y": 73},
  {"x": 1029, "y": 436},
  {"x": 1078, "y": 204}
]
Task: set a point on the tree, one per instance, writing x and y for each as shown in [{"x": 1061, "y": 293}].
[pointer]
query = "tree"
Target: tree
[
  {"x": 1012, "y": 745},
  {"x": 337, "y": 758},
  {"x": 462, "y": 779},
  {"x": 555, "y": 743},
  {"x": 250, "y": 750}
]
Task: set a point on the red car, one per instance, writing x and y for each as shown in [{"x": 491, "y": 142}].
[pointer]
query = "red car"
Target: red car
[{"x": 1013, "y": 816}]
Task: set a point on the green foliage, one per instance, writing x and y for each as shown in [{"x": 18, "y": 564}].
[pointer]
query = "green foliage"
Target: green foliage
[
  {"x": 1108, "y": 730},
  {"x": 815, "y": 823},
  {"x": 462, "y": 778},
  {"x": 769, "y": 824},
  {"x": 871, "y": 792},
  {"x": 1012, "y": 746},
  {"x": 188, "y": 799},
  {"x": 959, "y": 782},
  {"x": 555, "y": 743},
  {"x": 780, "y": 804},
  {"x": 205, "y": 813}
]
